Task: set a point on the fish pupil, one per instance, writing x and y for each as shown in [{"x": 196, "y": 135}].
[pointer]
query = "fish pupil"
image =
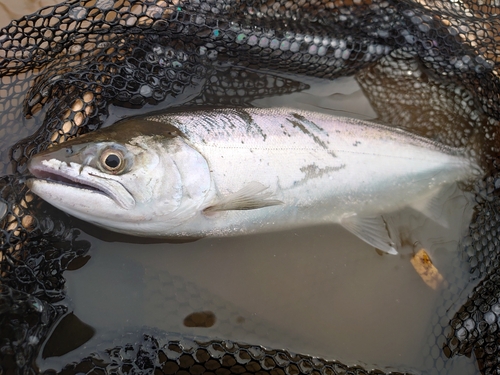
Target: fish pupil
[{"x": 112, "y": 161}]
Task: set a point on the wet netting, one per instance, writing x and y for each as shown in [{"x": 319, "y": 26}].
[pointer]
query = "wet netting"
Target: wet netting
[{"x": 421, "y": 63}]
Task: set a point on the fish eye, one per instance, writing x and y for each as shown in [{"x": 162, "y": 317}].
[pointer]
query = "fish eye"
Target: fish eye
[{"x": 112, "y": 160}]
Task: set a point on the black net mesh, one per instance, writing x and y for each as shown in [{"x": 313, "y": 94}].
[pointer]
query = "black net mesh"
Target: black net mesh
[
  {"x": 421, "y": 63},
  {"x": 188, "y": 356}
]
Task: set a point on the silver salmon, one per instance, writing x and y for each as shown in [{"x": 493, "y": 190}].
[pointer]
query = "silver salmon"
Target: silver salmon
[{"x": 227, "y": 172}]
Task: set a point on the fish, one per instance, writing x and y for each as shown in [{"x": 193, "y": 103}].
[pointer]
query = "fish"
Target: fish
[{"x": 228, "y": 172}]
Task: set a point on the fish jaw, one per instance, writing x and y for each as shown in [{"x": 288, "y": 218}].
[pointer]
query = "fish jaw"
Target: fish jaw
[{"x": 61, "y": 182}]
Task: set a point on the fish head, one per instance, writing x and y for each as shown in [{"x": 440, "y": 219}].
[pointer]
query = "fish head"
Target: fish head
[{"x": 136, "y": 176}]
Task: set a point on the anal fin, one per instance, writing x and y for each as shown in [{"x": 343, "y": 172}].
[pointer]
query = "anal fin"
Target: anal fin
[{"x": 372, "y": 230}]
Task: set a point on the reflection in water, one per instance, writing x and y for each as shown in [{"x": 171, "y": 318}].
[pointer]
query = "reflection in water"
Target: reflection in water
[{"x": 69, "y": 334}]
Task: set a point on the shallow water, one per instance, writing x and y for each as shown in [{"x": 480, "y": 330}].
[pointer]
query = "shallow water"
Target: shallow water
[{"x": 318, "y": 291}]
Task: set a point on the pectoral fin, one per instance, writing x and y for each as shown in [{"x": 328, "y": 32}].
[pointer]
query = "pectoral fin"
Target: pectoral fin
[
  {"x": 372, "y": 230},
  {"x": 250, "y": 197}
]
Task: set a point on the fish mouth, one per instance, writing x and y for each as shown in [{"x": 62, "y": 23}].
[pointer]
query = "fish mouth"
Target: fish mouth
[
  {"x": 41, "y": 172},
  {"x": 73, "y": 176},
  {"x": 52, "y": 177}
]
